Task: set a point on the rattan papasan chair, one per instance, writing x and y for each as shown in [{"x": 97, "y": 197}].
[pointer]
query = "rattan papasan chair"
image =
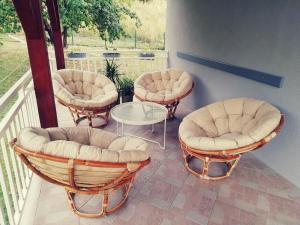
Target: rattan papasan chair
[
  {"x": 223, "y": 131},
  {"x": 87, "y": 95},
  {"x": 83, "y": 160},
  {"x": 165, "y": 88}
]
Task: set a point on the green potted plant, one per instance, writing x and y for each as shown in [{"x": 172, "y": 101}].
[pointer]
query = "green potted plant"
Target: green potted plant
[
  {"x": 76, "y": 53},
  {"x": 112, "y": 71},
  {"x": 126, "y": 89}
]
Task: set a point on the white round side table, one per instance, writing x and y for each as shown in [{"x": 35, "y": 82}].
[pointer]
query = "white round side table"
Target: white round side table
[{"x": 139, "y": 114}]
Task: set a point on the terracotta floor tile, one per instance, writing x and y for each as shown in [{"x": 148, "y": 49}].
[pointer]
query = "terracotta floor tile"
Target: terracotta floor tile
[
  {"x": 159, "y": 192},
  {"x": 172, "y": 172},
  {"x": 144, "y": 213},
  {"x": 164, "y": 193}
]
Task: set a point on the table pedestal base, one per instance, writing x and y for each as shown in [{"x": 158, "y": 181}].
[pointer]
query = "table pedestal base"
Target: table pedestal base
[{"x": 120, "y": 132}]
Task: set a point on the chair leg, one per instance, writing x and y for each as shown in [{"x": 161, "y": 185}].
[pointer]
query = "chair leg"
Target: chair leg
[
  {"x": 128, "y": 187},
  {"x": 72, "y": 204},
  {"x": 75, "y": 116},
  {"x": 105, "y": 118},
  {"x": 204, "y": 174},
  {"x": 205, "y": 167},
  {"x": 172, "y": 109},
  {"x": 105, "y": 201},
  {"x": 89, "y": 117},
  {"x": 231, "y": 165}
]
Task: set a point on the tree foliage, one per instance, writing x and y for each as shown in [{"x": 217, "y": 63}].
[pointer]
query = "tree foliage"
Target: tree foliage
[
  {"x": 73, "y": 15},
  {"x": 9, "y": 22},
  {"x": 106, "y": 16}
]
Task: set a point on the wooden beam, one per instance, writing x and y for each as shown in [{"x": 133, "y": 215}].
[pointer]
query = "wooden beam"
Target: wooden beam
[
  {"x": 29, "y": 12},
  {"x": 52, "y": 6}
]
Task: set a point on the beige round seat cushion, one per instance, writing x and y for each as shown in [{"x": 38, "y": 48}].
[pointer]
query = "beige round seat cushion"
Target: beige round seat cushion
[
  {"x": 168, "y": 85},
  {"x": 229, "y": 124},
  {"x": 84, "y": 89},
  {"x": 84, "y": 143}
]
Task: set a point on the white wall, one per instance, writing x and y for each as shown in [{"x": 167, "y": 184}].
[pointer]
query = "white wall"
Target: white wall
[{"x": 259, "y": 34}]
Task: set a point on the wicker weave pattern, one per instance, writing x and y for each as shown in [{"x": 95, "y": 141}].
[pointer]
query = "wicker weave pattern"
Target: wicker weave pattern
[
  {"x": 80, "y": 176},
  {"x": 87, "y": 95},
  {"x": 227, "y": 156},
  {"x": 165, "y": 88}
]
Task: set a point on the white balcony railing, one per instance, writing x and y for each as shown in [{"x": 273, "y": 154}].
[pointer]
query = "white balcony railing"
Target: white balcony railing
[
  {"x": 130, "y": 63},
  {"x": 18, "y": 109}
]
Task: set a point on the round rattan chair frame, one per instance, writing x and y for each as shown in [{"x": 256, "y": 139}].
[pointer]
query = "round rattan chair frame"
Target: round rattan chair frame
[
  {"x": 82, "y": 113},
  {"x": 171, "y": 105},
  {"x": 229, "y": 157},
  {"x": 124, "y": 181}
]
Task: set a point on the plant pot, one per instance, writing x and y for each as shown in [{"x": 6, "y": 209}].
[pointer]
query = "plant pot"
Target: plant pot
[
  {"x": 111, "y": 55},
  {"x": 127, "y": 98},
  {"x": 146, "y": 56},
  {"x": 76, "y": 55}
]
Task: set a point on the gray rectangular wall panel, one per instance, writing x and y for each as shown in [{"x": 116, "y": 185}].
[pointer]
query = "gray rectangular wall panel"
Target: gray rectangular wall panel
[{"x": 266, "y": 78}]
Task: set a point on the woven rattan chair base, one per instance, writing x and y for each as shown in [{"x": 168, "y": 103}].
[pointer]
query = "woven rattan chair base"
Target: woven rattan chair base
[
  {"x": 172, "y": 109},
  {"x": 230, "y": 163},
  {"x": 105, "y": 209},
  {"x": 79, "y": 114},
  {"x": 123, "y": 180},
  {"x": 171, "y": 105},
  {"x": 228, "y": 157},
  {"x": 79, "y": 119}
]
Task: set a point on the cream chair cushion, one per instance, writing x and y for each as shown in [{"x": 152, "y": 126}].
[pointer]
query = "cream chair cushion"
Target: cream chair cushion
[
  {"x": 83, "y": 143},
  {"x": 84, "y": 89},
  {"x": 229, "y": 124},
  {"x": 168, "y": 85}
]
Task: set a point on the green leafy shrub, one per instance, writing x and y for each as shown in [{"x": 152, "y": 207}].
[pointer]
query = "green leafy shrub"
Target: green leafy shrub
[
  {"x": 126, "y": 86},
  {"x": 112, "y": 71}
]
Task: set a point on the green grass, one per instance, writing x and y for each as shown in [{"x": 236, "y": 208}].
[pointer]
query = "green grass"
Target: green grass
[
  {"x": 88, "y": 40},
  {"x": 153, "y": 18},
  {"x": 150, "y": 35},
  {"x": 14, "y": 57},
  {"x": 13, "y": 62}
]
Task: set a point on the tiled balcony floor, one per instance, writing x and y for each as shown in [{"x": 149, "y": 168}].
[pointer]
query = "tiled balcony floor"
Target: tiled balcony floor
[{"x": 164, "y": 193}]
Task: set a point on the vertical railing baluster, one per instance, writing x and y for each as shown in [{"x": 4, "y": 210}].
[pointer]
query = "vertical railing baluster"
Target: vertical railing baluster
[
  {"x": 30, "y": 112},
  {"x": 37, "y": 120},
  {"x": 27, "y": 108},
  {"x": 21, "y": 116},
  {"x": 14, "y": 165},
  {"x": 81, "y": 67},
  {"x": 16, "y": 129},
  {"x": 23, "y": 124},
  {"x": 7, "y": 201},
  {"x": 2, "y": 217},
  {"x": 31, "y": 108},
  {"x": 101, "y": 65},
  {"x": 14, "y": 176},
  {"x": 10, "y": 176},
  {"x": 34, "y": 110},
  {"x": 95, "y": 65}
]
